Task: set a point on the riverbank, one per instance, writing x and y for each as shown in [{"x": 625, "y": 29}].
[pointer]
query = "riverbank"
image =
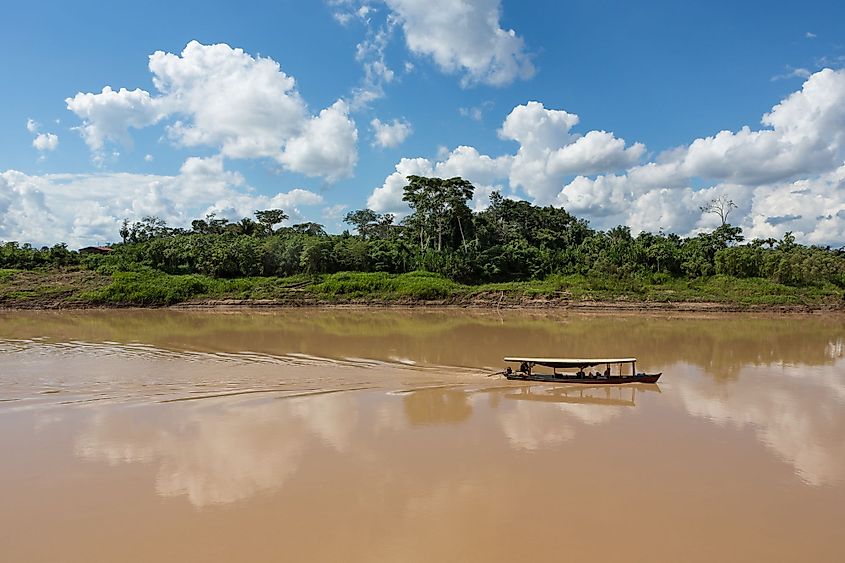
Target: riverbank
[{"x": 80, "y": 289}]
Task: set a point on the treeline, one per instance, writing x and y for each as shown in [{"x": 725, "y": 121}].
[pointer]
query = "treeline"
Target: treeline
[{"x": 508, "y": 241}]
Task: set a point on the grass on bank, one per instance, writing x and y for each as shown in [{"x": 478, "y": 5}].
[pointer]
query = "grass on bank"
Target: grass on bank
[{"x": 152, "y": 288}]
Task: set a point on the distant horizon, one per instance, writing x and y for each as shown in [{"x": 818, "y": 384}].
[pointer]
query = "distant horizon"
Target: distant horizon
[{"x": 636, "y": 114}]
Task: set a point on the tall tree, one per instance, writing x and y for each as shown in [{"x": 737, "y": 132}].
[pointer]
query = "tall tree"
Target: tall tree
[
  {"x": 363, "y": 220},
  {"x": 270, "y": 217},
  {"x": 457, "y": 193},
  {"x": 310, "y": 228},
  {"x": 437, "y": 203},
  {"x": 721, "y": 206}
]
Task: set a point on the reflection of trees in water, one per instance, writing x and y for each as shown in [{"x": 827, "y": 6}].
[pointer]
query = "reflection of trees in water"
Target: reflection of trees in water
[
  {"x": 457, "y": 338},
  {"x": 435, "y": 406}
]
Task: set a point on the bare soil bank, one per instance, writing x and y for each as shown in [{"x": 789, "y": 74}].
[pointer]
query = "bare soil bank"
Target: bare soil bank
[{"x": 475, "y": 302}]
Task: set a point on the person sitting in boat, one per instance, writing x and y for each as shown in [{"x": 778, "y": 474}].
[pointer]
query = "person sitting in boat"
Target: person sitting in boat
[
  {"x": 607, "y": 372},
  {"x": 580, "y": 374},
  {"x": 591, "y": 374},
  {"x": 525, "y": 368}
]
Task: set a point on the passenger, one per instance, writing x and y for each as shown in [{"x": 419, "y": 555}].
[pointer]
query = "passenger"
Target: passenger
[
  {"x": 607, "y": 372},
  {"x": 591, "y": 374},
  {"x": 523, "y": 367},
  {"x": 580, "y": 374}
]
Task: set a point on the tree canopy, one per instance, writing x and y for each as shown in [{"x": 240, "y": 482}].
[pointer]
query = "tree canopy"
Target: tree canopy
[{"x": 508, "y": 241}]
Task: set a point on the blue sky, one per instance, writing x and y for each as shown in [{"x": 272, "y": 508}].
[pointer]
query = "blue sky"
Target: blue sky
[{"x": 652, "y": 84}]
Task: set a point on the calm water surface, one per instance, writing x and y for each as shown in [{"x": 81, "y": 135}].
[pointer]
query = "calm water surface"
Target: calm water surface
[{"x": 377, "y": 436}]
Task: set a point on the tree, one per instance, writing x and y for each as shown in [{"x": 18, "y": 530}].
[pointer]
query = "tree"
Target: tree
[
  {"x": 437, "y": 203},
  {"x": 362, "y": 219},
  {"x": 124, "y": 230},
  {"x": 721, "y": 206},
  {"x": 457, "y": 193},
  {"x": 148, "y": 228},
  {"x": 370, "y": 224},
  {"x": 270, "y": 217},
  {"x": 246, "y": 226},
  {"x": 309, "y": 228},
  {"x": 315, "y": 256},
  {"x": 211, "y": 225},
  {"x": 417, "y": 195}
]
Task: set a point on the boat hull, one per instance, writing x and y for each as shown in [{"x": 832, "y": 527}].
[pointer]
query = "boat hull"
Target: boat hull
[{"x": 613, "y": 380}]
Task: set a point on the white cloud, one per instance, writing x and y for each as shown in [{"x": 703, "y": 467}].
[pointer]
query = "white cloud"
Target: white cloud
[
  {"x": 246, "y": 107},
  {"x": 793, "y": 73},
  {"x": 326, "y": 146},
  {"x": 107, "y": 116},
  {"x": 466, "y": 37},
  {"x": 148, "y": 158},
  {"x": 787, "y": 175},
  {"x": 389, "y": 135},
  {"x": 549, "y": 151},
  {"x": 82, "y": 209},
  {"x": 42, "y": 141},
  {"x": 597, "y": 151},
  {"x": 814, "y": 209},
  {"x": 370, "y": 53},
  {"x": 45, "y": 142}
]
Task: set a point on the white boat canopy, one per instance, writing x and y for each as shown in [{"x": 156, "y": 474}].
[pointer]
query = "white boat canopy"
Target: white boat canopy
[{"x": 571, "y": 362}]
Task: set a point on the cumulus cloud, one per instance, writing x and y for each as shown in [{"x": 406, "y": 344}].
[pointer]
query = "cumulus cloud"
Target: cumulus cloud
[
  {"x": 326, "y": 146},
  {"x": 45, "y": 142},
  {"x": 790, "y": 167},
  {"x": 108, "y": 115},
  {"x": 788, "y": 175},
  {"x": 466, "y": 37},
  {"x": 83, "y": 209},
  {"x": 225, "y": 98},
  {"x": 42, "y": 141},
  {"x": 549, "y": 152},
  {"x": 462, "y": 37},
  {"x": 389, "y": 135}
]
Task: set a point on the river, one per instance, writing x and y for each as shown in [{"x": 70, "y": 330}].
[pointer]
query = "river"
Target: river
[{"x": 378, "y": 435}]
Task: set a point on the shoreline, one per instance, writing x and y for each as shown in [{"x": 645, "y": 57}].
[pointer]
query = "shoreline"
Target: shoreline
[{"x": 624, "y": 306}]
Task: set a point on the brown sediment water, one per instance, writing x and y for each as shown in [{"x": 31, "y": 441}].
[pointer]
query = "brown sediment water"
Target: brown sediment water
[{"x": 369, "y": 435}]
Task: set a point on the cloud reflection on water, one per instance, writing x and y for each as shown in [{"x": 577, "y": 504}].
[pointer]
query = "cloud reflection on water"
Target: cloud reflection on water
[{"x": 798, "y": 412}]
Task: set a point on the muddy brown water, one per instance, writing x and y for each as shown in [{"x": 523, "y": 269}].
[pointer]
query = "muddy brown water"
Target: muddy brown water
[{"x": 376, "y": 435}]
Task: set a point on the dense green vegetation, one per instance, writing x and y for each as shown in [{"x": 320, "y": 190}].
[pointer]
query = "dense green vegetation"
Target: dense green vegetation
[{"x": 442, "y": 249}]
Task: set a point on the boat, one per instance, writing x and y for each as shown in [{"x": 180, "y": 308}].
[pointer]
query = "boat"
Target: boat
[{"x": 599, "y": 377}]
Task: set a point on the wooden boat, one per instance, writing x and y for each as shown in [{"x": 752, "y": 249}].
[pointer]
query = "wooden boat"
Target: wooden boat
[{"x": 599, "y": 377}]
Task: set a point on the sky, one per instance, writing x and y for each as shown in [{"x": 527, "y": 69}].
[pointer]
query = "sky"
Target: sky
[{"x": 631, "y": 112}]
